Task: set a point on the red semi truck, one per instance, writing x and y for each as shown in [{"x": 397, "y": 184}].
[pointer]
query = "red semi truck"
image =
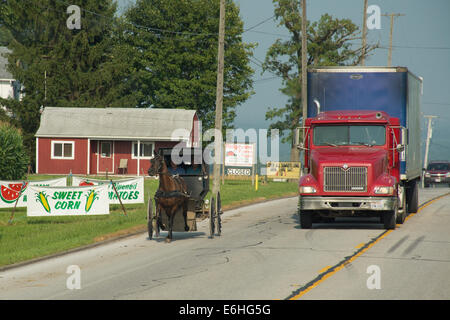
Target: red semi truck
[{"x": 361, "y": 144}]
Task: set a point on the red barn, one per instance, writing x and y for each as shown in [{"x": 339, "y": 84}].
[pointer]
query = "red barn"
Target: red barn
[{"x": 94, "y": 140}]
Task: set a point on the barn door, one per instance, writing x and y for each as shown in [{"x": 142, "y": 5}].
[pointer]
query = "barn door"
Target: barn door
[{"x": 106, "y": 157}]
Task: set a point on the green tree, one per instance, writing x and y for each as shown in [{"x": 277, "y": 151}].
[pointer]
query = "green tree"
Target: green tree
[
  {"x": 330, "y": 41},
  {"x": 58, "y": 66},
  {"x": 172, "y": 47},
  {"x": 14, "y": 159},
  {"x": 5, "y": 36}
]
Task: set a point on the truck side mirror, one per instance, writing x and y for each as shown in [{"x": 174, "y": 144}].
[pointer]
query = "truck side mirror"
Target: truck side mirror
[
  {"x": 400, "y": 147},
  {"x": 301, "y": 146}
]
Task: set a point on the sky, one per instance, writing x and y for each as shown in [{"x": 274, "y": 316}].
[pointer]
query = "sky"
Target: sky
[{"x": 421, "y": 43}]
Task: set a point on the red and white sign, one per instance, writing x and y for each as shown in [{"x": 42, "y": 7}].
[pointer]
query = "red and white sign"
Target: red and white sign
[
  {"x": 239, "y": 154},
  {"x": 12, "y": 190}
]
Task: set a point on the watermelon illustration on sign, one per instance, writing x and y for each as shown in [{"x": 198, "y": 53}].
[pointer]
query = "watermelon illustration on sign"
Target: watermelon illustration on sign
[{"x": 10, "y": 193}]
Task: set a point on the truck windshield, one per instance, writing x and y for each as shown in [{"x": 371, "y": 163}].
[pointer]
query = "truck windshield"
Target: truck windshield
[{"x": 339, "y": 135}]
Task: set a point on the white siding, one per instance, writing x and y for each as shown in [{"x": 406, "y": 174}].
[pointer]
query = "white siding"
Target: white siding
[{"x": 6, "y": 89}]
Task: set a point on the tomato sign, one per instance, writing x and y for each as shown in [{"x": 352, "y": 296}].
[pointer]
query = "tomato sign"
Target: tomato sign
[{"x": 129, "y": 190}]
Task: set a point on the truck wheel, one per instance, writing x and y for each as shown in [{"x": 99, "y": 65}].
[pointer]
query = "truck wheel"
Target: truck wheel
[
  {"x": 401, "y": 217},
  {"x": 406, "y": 201},
  {"x": 305, "y": 219},
  {"x": 389, "y": 219},
  {"x": 413, "y": 198}
]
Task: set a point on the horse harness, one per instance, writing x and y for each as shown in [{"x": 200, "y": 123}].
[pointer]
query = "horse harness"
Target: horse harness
[{"x": 172, "y": 194}]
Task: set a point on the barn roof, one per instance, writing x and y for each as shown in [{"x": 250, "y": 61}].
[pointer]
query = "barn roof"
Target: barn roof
[{"x": 116, "y": 123}]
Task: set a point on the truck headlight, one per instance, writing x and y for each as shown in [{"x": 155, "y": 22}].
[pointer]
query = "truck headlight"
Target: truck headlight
[
  {"x": 303, "y": 189},
  {"x": 384, "y": 190}
]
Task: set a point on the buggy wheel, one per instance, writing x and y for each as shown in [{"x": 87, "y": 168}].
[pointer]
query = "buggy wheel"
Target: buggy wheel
[
  {"x": 212, "y": 214},
  {"x": 150, "y": 218},
  {"x": 156, "y": 220},
  {"x": 218, "y": 213}
]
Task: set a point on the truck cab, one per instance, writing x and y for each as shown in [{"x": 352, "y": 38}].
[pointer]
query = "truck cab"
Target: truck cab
[
  {"x": 361, "y": 144},
  {"x": 352, "y": 166}
]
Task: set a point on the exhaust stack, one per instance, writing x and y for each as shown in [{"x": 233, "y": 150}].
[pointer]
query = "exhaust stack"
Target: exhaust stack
[{"x": 317, "y": 105}]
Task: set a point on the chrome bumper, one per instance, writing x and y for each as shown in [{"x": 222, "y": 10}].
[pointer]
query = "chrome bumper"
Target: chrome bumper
[{"x": 347, "y": 203}]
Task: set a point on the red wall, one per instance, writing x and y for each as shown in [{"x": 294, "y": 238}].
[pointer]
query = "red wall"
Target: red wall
[
  {"x": 122, "y": 150},
  {"x": 46, "y": 165}
]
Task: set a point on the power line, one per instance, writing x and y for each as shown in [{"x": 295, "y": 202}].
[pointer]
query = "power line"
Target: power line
[
  {"x": 258, "y": 24},
  {"x": 437, "y": 103},
  {"x": 266, "y": 79},
  {"x": 149, "y": 28},
  {"x": 181, "y": 33},
  {"x": 271, "y": 34},
  {"x": 416, "y": 47}
]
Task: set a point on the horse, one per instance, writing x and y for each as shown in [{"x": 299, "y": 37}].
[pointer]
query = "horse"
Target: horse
[{"x": 171, "y": 194}]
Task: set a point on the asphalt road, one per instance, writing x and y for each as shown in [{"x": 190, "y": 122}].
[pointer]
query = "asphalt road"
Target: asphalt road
[{"x": 262, "y": 254}]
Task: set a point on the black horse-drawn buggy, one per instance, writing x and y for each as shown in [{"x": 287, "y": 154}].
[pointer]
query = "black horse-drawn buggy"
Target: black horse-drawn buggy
[{"x": 180, "y": 198}]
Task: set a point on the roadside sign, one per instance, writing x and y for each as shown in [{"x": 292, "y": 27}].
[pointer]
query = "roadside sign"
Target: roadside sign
[
  {"x": 67, "y": 201},
  {"x": 11, "y": 191},
  {"x": 285, "y": 170},
  {"x": 240, "y": 154},
  {"x": 129, "y": 190}
]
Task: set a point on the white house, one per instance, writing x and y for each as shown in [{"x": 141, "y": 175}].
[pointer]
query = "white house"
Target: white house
[{"x": 6, "y": 78}]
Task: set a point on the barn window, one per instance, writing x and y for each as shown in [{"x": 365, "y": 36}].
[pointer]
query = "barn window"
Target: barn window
[
  {"x": 105, "y": 149},
  {"x": 146, "y": 150},
  {"x": 63, "y": 150}
]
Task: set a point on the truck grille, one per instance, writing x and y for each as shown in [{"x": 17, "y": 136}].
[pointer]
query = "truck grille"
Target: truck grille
[{"x": 338, "y": 179}]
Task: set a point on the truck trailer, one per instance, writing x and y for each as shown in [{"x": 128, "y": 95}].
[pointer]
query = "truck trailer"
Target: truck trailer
[{"x": 361, "y": 143}]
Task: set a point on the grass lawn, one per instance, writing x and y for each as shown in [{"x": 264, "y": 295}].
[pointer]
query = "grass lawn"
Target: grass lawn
[{"x": 31, "y": 237}]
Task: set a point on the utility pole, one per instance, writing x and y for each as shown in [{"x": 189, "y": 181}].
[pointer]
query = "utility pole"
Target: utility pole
[
  {"x": 219, "y": 102},
  {"x": 429, "y": 134},
  {"x": 364, "y": 34},
  {"x": 304, "y": 64},
  {"x": 392, "y": 15}
]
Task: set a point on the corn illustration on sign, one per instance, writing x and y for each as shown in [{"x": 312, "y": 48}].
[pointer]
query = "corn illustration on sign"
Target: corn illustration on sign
[{"x": 68, "y": 201}]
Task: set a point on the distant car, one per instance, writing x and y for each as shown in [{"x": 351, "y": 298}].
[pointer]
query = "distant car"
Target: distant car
[{"x": 437, "y": 172}]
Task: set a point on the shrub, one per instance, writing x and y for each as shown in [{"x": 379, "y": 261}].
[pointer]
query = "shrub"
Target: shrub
[{"x": 13, "y": 156}]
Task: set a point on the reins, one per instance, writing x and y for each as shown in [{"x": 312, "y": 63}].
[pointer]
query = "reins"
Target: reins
[{"x": 169, "y": 194}]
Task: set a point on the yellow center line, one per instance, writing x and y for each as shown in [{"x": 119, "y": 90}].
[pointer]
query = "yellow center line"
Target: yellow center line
[
  {"x": 324, "y": 269},
  {"x": 362, "y": 244},
  {"x": 327, "y": 272}
]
